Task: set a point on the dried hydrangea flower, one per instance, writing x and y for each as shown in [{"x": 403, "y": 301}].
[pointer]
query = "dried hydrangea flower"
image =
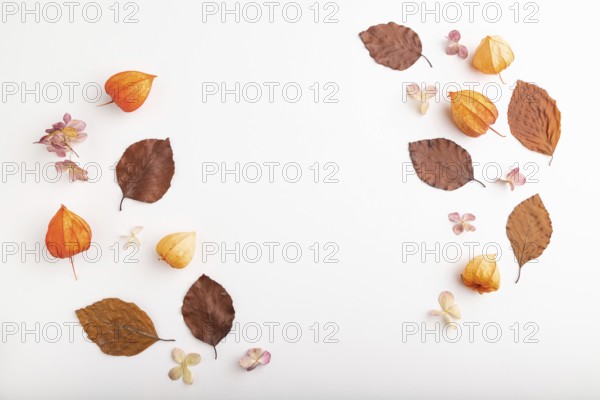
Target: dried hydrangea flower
[
  {"x": 254, "y": 358},
  {"x": 76, "y": 173},
  {"x": 184, "y": 361},
  {"x": 132, "y": 239},
  {"x": 454, "y": 47},
  {"x": 514, "y": 178},
  {"x": 449, "y": 311},
  {"x": 462, "y": 223},
  {"x": 414, "y": 91},
  {"x": 62, "y": 134}
]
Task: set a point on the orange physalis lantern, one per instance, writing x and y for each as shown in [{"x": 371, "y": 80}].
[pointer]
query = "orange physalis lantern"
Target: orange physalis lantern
[
  {"x": 68, "y": 234},
  {"x": 129, "y": 89}
]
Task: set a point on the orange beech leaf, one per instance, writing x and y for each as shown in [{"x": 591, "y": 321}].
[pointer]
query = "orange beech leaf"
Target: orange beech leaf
[
  {"x": 472, "y": 112},
  {"x": 68, "y": 234},
  {"x": 129, "y": 89}
]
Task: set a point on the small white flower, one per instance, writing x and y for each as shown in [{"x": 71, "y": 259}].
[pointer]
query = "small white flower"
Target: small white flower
[
  {"x": 449, "y": 311},
  {"x": 132, "y": 238}
]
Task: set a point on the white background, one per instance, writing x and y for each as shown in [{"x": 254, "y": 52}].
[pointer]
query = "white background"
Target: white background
[{"x": 370, "y": 213}]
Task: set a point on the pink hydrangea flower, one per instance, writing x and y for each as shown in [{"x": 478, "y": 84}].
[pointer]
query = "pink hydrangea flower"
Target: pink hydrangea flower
[
  {"x": 422, "y": 96},
  {"x": 76, "y": 173},
  {"x": 514, "y": 178},
  {"x": 254, "y": 358},
  {"x": 62, "y": 134},
  {"x": 462, "y": 224},
  {"x": 454, "y": 47}
]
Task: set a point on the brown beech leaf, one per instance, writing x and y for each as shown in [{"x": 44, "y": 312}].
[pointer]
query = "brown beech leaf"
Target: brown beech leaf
[
  {"x": 208, "y": 311},
  {"x": 534, "y": 118},
  {"x": 145, "y": 170},
  {"x": 441, "y": 163},
  {"x": 395, "y": 46},
  {"x": 529, "y": 229},
  {"x": 117, "y": 327}
]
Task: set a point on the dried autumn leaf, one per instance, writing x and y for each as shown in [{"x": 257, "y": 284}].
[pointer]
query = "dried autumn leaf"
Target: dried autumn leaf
[
  {"x": 482, "y": 274},
  {"x": 145, "y": 170},
  {"x": 208, "y": 311},
  {"x": 129, "y": 89},
  {"x": 493, "y": 55},
  {"x": 117, "y": 327},
  {"x": 534, "y": 118},
  {"x": 395, "y": 46},
  {"x": 529, "y": 229},
  {"x": 177, "y": 249},
  {"x": 441, "y": 163},
  {"x": 472, "y": 112},
  {"x": 68, "y": 234}
]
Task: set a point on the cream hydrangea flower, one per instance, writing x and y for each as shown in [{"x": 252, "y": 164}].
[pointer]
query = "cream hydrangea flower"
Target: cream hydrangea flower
[
  {"x": 184, "y": 361},
  {"x": 449, "y": 311}
]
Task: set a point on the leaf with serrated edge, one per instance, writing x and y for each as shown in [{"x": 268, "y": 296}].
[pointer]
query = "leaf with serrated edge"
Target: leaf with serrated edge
[
  {"x": 534, "y": 118},
  {"x": 117, "y": 327},
  {"x": 529, "y": 229},
  {"x": 208, "y": 311},
  {"x": 441, "y": 163}
]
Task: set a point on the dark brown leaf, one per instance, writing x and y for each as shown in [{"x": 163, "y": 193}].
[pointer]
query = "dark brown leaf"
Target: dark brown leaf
[
  {"x": 117, "y": 327},
  {"x": 534, "y": 118},
  {"x": 529, "y": 229},
  {"x": 208, "y": 311},
  {"x": 395, "y": 46},
  {"x": 145, "y": 170},
  {"x": 441, "y": 163}
]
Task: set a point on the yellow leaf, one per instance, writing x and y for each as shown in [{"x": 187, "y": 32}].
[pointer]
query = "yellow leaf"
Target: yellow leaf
[{"x": 493, "y": 55}]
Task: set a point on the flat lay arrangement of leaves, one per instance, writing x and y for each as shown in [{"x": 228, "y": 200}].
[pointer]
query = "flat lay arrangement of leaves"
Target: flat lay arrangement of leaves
[
  {"x": 534, "y": 120},
  {"x": 145, "y": 171}
]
